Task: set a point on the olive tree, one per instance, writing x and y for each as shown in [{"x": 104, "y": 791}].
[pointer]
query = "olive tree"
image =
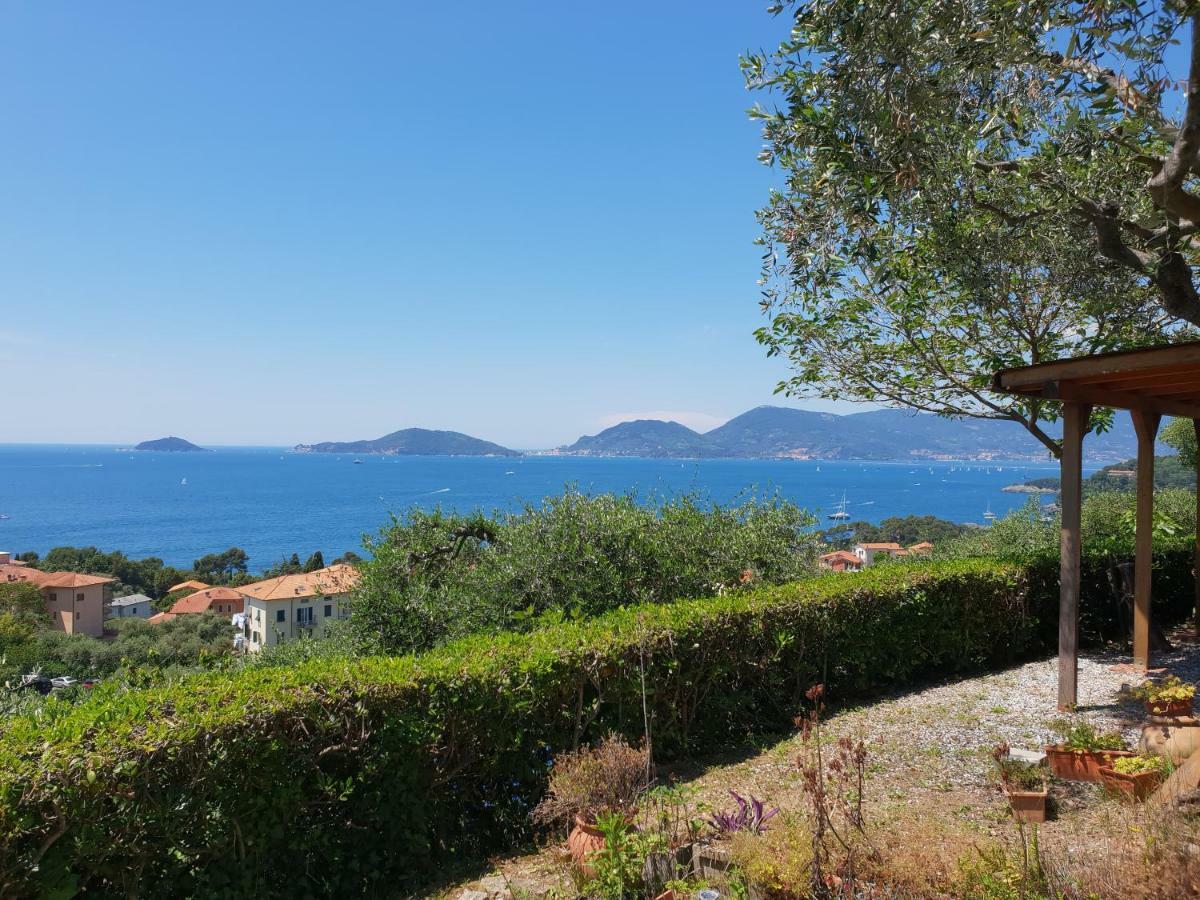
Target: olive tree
[{"x": 973, "y": 186}]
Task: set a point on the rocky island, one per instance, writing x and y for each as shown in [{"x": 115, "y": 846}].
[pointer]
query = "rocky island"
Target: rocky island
[
  {"x": 171, "y": 445},
  {"x": 414, "y": 442}
]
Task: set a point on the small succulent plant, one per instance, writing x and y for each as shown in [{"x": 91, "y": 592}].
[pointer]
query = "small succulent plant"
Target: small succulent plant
[{"x": 750, "y": 816}]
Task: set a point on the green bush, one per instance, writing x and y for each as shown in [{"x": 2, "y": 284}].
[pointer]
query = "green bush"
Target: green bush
[
  {"x": 1107, "y": 530},
  {"x": 341, "y": 777},
  {"x": 434, "y": 576}
]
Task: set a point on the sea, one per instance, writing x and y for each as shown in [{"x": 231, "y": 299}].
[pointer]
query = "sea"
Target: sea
[{"x": 272, "y": 502}]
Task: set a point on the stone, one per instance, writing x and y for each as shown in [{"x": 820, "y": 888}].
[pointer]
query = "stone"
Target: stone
[
  {"x": 496, "y": 887},
  {"x": 470, "y": 894},
  {"x": 1032, "y": 757}
]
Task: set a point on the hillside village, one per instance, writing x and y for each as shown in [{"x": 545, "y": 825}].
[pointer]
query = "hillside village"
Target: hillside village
[{"x": 263, "y": 613}]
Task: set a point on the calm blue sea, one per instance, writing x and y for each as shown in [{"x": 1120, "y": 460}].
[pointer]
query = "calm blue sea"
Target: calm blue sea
[{"x": 272, "y": 503}]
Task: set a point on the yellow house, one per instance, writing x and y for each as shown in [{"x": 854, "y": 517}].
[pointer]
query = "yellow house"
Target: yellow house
[{"x": 292, "y": 606}]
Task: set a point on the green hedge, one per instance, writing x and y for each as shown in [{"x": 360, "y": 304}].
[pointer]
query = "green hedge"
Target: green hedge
[{"x": 354, "y": 778}]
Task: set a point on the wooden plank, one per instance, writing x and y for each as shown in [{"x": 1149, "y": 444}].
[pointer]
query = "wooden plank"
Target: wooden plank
[
  {"x": 1196, "y": 557},
  {"x": 1075, "y": 423},
  {"x": 1103, "y": 364},
  {"x": 1127, "y": 381},
  {"x": 1099, "y": 396},
  {"x": 1146, "y": 425}
]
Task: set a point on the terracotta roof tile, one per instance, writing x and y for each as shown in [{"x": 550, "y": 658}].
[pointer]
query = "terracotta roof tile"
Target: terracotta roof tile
[
  {"x": 336, "y": 579},
  {"x": 10, "y": 572},
  {"x": 202, "y": 601},
  {"x": 192, "y": 585}
]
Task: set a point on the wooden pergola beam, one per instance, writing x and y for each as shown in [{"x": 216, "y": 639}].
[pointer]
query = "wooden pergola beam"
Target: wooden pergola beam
[
  {"x": 1121, "y": 364},
  {"x": 1096, "y": 395},
  {"x": 1075, "y": 425},
  {"x": 1146, "y": 425}
]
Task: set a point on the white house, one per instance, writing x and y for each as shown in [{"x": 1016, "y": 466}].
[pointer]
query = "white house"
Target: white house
[
  {"x": 292, "y": 606},
  {"x": 135, "y": 606}
]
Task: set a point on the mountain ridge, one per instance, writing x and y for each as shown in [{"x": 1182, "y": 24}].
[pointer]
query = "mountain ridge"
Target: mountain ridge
[{"x": 778, "y": 432}]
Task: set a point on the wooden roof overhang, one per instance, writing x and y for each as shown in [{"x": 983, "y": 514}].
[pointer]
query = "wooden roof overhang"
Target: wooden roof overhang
[
  {"x": 1163, "y": 380},
  {"x": 1150, "y": 383}
]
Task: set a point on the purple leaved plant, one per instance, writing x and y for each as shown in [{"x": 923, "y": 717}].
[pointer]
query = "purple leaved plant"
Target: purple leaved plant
[{"x": 749, "y": 816}]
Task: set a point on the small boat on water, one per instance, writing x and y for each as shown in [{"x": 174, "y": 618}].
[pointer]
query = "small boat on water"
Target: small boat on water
[
  {"x": 988, "y": 514},
  {"x": 358, "y": 462},
  {"x": 840, "y": 513},
  {"x": 183, "y": 483},
  {"x": 4, "y": 516}
]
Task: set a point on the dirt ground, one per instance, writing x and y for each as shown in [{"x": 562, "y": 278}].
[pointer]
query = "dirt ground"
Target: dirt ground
[{"x": 929, "y": 758}]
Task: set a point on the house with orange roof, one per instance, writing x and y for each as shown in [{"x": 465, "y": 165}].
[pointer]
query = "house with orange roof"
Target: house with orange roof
[
  {"x": 291, "y": 606},
  {"x": 74, "y": 602},
  {"x": 223, "y": 600},
  {"x": 840, "y": 561},
  {"x": 922, "y": 549}
]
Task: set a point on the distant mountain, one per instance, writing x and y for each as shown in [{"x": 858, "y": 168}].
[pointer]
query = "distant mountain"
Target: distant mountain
[
  {"x": 644, "y": 437},
  {"x": 773, "y": 432},
  {"x": 414, "y": 442},
  {"x": 171, "y": 445}
]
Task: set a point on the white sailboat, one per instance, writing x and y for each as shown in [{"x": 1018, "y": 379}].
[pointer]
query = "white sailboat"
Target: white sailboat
[
  {"x": 840, "y": 513},
  {"x": 988, "y": 514}
]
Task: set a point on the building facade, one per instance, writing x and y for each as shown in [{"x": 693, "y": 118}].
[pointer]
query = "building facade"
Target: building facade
[
  {"x": 295, "y": 606},
  {"x": 135, "y": 606},
  {"x": 75, "y": 603}
]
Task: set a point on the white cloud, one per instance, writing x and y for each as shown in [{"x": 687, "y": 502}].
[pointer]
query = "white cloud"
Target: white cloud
[{"x": 698, "y": 421}]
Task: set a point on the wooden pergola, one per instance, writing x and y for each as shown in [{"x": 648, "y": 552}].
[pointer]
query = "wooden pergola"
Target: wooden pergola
[{"x": 1149, "y": 384}]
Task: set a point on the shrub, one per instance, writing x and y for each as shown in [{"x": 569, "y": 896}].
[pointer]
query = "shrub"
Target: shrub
[
  {"x": 351, "y": 777},
  {"x": 591, "y": 782},
  {"x": 1084, "y": 736},
  {"x": 435, "y": 576},
  {"x": 1023, "y": 538},
  {"x": 1136, "y": 765}
]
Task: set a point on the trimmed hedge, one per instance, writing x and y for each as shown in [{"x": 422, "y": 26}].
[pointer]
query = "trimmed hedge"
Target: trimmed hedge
[{"x": 359, "y": 777}]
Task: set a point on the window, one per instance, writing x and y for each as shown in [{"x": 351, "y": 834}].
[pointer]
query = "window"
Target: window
[
  {"x": 328, "y": 610},
  {"x": 304, "y": 616},
  {"x": 78, "y": 614},
  {"x": 79, "y": 598},
  {"x": 281, "y": 615},
  {"x": 53, "y": 597}
]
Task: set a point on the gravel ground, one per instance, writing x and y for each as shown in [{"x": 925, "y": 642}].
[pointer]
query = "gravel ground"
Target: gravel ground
[{"x": 929, "y": 748}]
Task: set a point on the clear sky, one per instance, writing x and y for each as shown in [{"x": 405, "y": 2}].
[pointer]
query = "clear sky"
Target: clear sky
[{"x": 277, "y": 222}]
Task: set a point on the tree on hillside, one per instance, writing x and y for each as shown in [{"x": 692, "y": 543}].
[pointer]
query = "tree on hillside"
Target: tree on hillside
[
  {"x": 224, "y": 566},
  {"x": 314, "y": 562},
  {"x": 969, "y": 188},
  {"x": 1181, "y": 434},
  {"x": 23, "y": 602}
]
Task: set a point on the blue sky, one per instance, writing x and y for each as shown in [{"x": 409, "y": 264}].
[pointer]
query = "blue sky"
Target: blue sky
[{"x": 284, "y": 222}]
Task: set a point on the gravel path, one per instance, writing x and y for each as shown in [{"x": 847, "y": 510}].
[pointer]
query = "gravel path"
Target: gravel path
[{"x": 930, "y": 749}]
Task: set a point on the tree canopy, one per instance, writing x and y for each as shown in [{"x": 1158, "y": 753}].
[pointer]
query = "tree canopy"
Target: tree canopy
[{"x": 974, "y": 187}]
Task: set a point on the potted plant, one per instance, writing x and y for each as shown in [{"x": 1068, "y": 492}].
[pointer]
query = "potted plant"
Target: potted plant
[
  {"x": 1135, "y": 777},
  {"x": 591, "y": 782},
  {"x": 1166, "y": 697},
  {"x": 1025, "y": 785},
  {"x": 1082, "y": 751}
]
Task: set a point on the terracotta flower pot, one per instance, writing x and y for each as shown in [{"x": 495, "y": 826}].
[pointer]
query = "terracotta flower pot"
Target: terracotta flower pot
[
  {"x": 1170, "y": 708},
  {"x": 1080, "y": 765},
  {"x": 1028, "y": 806},
  {"x": 584, "y": 840},
  {"x": 1135, "y": 787}
]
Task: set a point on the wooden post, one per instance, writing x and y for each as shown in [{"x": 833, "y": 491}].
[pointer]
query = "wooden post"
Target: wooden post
[
  {"x": 1146, "y": 425},
  {"x": 1075, "y": 423},
  {"x": 1196, "y": 558}
]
